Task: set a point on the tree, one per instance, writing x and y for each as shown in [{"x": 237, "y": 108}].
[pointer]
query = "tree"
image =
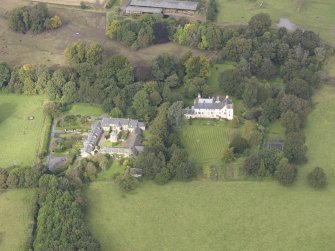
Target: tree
[
  {"x": 251, "y": 165},
  {"x": 163, "y": 66},
  {"x": 239, "y": 144},
  {"x": 211, "y": 10},
  {"x": 250, "y": 93},
  {"x": 259, "y": 24},
  {"x": 295, "y": 148},
  {"x": 228, "y": 155},
  {"x": 291, "y": 121},
  {"x": 317, "y": 178},
  {"x": 287, "y": 173},
  {"x": 94, "y": 53},
  {"x": 197, "y": 66},
  {"x": 69, "y": 91},
  {"x": 12, "y": 180},
  {"x": 175, "y": 113},
  {"x": 3, "y": 178},
  {"x": 232, "y": 83},
  {"x": 126, "y": 182},
  {"x": 4, "y": 74},
  {"x": 270, "y": 111},
  {"x": 237, "y": 48},
  {"x": 163, "y": 176},
  {"x": 55, "y": 22},
  {"x": 52, "y": 109},
  {"x": 299, "y": 88},
  {"x": 141, "y": 104}
]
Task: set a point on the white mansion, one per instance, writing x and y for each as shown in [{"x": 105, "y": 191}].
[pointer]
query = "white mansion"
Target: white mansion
[{"x": 214, "y": 107}]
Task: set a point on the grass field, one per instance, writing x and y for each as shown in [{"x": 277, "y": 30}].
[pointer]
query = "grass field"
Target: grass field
[
  {"x": 19, "y": 136},
  {"x": 315, "y": 15},
  {"x": 206, "y": 140},
  {"x": 320, "y": 133},
  {"x": 85, "y": 109},
  {"x": 205, "y": 215},
  {"x": 15, "y": 206}
]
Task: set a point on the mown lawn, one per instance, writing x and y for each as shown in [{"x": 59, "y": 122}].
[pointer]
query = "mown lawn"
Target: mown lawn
[
  {"x": 19, "y": 136},
  {"x": 207, "y": 215},
  {"x": 85, "y": 109},
  {"x": 205, "y": 140},
  {"x": 15, "y": 218},
  {"x": 315, "y": 15}
]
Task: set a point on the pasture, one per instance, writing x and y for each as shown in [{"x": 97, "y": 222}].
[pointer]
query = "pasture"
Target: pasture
[
  {"x": 48, "y": 48},
  {"x": 205, "y": 140},
  {"x": 20, "y": 137},
  {"x": 207, "y": 215},
  {"x": 320, "y": 133},
  {"x": 15, "y": 218},
  {"x": 315, "y": 15}
]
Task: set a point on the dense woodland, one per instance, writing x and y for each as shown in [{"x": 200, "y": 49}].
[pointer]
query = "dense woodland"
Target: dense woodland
[{"x": 275, "y": 75}]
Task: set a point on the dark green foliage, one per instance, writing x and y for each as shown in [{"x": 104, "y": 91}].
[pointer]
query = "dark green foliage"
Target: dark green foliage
[
  {"x": 259, "y": 24},
  {"x": 23, "y": 176},
  {"x": 211, "y": 10},
  {"x": 4, "y": 74},
  {"x": 232, "y": 83},
  {"x": 295, "y": 148},
  {"x": 270, "y": 111},
  {"x": 60, "y": 224},
  {"x": 239, "y": 144},
  {"x": 34, "y": 18},
  {"x": 237, "y": 48},
  {"x": 126, "y": 182},
  {"x": 287, "y": 174},
  {"x": 270, "y": 159},
  {"x": 146, "y": 30},
  {"x": 251, "y": 165},
  {"x": 317, "y": 178},
  {"x": 299, "y": 88},
  {"x": 291, "y": 121},
  {"x": 3, "y": 178}
]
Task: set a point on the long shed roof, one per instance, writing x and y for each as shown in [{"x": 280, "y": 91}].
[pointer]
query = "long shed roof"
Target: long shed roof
[
  {"x": 166, "y": 4},
  {"x": 135, "y": 9}
]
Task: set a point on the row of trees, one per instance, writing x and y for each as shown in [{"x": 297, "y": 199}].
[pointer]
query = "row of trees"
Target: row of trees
[
  {"x": 163, "y": 158},
  {"x": 21, "y": 177},
  {"x": 142, "y": 32},
  {"x": 34, "y": 18},
  {"x": 60, "y": 220}
]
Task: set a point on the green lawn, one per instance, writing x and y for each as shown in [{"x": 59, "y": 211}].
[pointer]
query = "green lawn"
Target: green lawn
[
  {"x": 110, "y": 172},
  {"x": 20, "y": 137},
  {"x": 240, "y": 215},
  {"x": 214, "y": 74},
  {"x": 206, "y": 140},
  {"x": 85, "y": 109},
  {"x": 207, "y": 215},
  {"x": 320, "y": 133},
  {"x": 15, "y": 218},
  {"x": 315, "y": 15}
]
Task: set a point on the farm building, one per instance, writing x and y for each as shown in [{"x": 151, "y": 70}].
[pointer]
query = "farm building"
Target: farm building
[{"x": 161, "y": 6}]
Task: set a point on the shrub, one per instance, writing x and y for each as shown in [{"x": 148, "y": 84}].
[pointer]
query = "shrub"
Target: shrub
[
  {"x": 287, "y": 174},
  {"x": 317, "y": 178},
  {"x": 239, "y": 144}
]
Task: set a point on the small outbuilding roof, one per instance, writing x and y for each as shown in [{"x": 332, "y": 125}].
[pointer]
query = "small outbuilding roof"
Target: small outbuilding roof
[
  {"x": 138, "y": 9},
  {"x": 166, "y": 4}
]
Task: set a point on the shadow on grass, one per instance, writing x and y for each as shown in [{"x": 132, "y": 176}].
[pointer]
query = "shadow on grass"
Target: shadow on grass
[{"x": 6, "y": 111}]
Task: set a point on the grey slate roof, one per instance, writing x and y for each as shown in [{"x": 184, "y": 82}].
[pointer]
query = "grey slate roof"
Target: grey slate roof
[
  {"x": 131, "y": 123},
  {"x": 139, "y": 9},
  {"x": 93, "y": 137},
  {"x": 166, "y": 4},
  {"x": 201, "y": 103}
]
